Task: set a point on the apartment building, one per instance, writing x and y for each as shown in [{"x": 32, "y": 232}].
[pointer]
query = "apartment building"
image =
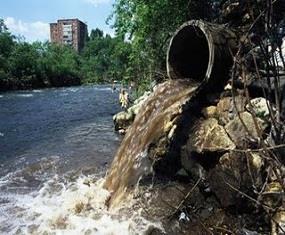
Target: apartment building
[{"x": 71, "y": 32}]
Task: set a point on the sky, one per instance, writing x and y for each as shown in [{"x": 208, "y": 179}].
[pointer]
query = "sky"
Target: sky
[{"x": 31, "y": 18}]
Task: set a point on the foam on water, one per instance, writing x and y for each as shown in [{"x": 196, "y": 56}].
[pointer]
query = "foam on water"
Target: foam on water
[
  {"x": 37, "y": 91},
  {"x": 72, "y": 89},
  {"x": 77, "y": 207},
  {"x": 105, "y": 89},
  {"x": 25, "y": 95}
]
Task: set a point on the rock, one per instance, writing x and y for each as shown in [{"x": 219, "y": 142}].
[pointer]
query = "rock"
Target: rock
[
  {"x": 122, "y": 131},
  {"x": 182, "y": 172},
  {"x": 278, "y": 223},
  {"x": 228, "y": 87},
  {"x": 273, "y": 195},
  {"x": 232, "y": 172},
  {"x": 259, "y": 106},
  {"x": 210, "y": 111},
  {"x": 157, "y": 200},
  {"x": 227, "y": 171},
  {"x": 134, "y": 109},
  {"x": 256, "y": 164},
  {"x": 208, "y": 135},
  {"x": 191, "y": 166},
  {"x": 122, "y": 120},
  {"x": 226, "y": 109},
  {"x": 142, "y": 98},
  {"x": 237, "y": 131},
  {"x": 183, "y": 217}
]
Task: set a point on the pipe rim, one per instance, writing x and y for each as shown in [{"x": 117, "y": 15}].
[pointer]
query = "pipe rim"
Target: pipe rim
[{"x": 201, "y": 25}]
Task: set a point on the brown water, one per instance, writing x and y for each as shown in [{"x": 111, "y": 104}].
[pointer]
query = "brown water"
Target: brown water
[{"x": 155, "y": 120}]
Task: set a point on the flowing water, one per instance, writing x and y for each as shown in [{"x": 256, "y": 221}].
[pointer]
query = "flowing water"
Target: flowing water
[
  {"x": 55, "y": 147},
  {"x": 157, "y": 118}
]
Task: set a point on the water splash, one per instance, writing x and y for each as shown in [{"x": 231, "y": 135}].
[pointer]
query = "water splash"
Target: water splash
[{"x": 77, "y": 207}]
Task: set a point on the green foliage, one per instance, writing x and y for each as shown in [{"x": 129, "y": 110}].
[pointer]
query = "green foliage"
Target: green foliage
[
  {"x": 104, "y": 59},
  {"x": 61, "y": 65},
  {"x": 149, "y": 25},
  {"x": 3, "y": 27},
  {"x": 96, "y": 33},
  {"x": 24, "y": 65},
  {"x": 143, "y": 29}
]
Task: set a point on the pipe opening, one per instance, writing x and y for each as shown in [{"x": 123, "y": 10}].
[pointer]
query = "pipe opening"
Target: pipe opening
[{"x": 189, "y": 53}]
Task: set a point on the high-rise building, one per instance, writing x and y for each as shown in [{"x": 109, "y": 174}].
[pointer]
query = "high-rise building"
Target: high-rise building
[{"x": 69, "y": 32}]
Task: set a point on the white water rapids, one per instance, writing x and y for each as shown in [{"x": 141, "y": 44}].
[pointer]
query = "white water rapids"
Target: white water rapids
[{"x": 69, "y": 208}]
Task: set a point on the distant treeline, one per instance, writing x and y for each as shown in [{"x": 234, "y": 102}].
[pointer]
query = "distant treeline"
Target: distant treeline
[
  {"x": 137, "y": 53},
  {"x": 37, "y": 65}
]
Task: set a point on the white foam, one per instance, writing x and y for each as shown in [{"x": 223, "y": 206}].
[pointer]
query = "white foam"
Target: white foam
[
  {"x": 73, "y": 208},
  {"x": 105, "y": 89},
  {"x": 1, "y": 134},
  {"x": 72, "y": 89},
  {"x": 1, "y": 96},
  {"x": 37, "y": 91},
  {"x": 25, "y": 95}
]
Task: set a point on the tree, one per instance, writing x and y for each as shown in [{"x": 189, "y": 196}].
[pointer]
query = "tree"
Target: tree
[
  {"x": 96, "y": 33},
  {"x": 105, "y": 58},
  {"x": 148, "y": 27},
  {"x": 6, "y": 46},
  {"x": 3, "y": 27},
  {"x": 30, "y": 65}
]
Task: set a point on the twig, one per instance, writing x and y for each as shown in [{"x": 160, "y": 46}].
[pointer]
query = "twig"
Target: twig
[
  {"x": 223, "y": 229},
  {"x": 249, "y": 197},
  {"x": 185, "y": 198},
  {"x": 259, "y": 149},
  {"x": 278, "y": 225}
]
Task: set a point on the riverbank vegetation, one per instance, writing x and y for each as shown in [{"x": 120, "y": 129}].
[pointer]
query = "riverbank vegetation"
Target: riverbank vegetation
[
  {"x": 136, "y": 53},
  {"x": 26, "y": 65}
]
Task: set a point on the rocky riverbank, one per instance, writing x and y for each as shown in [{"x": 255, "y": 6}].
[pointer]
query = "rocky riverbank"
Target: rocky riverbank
[{"x": 224, "y": 183}]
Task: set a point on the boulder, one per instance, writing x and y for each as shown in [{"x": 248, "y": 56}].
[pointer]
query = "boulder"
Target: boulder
[
  {"x": 278, "y": 223},
  {"x": 226, "y": 108},
  {"x": 240, "y": 131},
  {"x": 256, "y": 165},
  {"x": 273, "y": 195},
  {"x": 209, "y": 112},
  {"x": 208, "y": 135},
  {"x": 259, "y": 107},
  {"x": 235, "y": 171},
  {"x": 134, "y": 109},
  {"x": 191, "y": 166},
  {"x": 122, "y": 120}
]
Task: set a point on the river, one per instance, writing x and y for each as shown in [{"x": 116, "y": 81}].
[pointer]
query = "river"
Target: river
[{"x": 54, "y": 143}]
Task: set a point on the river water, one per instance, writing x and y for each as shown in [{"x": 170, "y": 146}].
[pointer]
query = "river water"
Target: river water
[{"x": 55, "y": 146}]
